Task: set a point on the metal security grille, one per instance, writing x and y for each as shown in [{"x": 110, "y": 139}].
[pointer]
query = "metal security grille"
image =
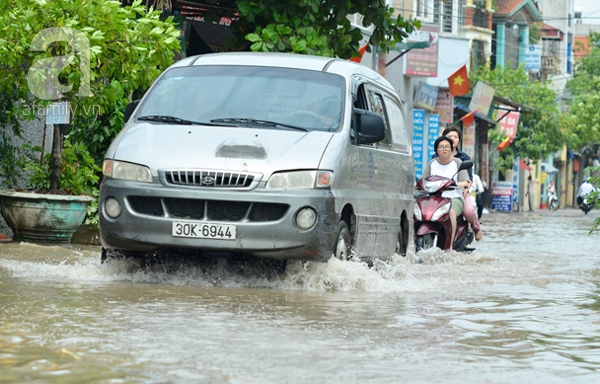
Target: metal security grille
[
  {"x": 193, "y": 209},
  {"x": 209, "y": 179}
]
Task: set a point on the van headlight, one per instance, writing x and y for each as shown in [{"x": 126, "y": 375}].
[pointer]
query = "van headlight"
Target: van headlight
[
  {"x": 126, "y": 171},
  {"x": 300, "y": 180}
]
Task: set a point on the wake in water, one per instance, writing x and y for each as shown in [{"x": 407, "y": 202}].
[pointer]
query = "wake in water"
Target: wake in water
[{"x": 413, "y": 273}]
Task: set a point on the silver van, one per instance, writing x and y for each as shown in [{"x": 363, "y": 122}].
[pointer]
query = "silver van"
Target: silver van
[{"x": 279, "y": 156}]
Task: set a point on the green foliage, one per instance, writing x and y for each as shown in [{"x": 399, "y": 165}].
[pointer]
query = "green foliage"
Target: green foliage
[
  {"x": 540, "y": 131},
  {"x": 595, "y": 195},
  {"x": 128, "y": 48},
  {"x": 316, "y": 27},
  {"x": 535, "y": 33},
  {"x": 583, "y": 118},
  {"x": 79, "y": 172}
]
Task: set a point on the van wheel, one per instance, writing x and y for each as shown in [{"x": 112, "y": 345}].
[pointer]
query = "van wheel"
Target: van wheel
[
  {"x": 343, "y": 244},
  {"x": 402, "y": 240}
]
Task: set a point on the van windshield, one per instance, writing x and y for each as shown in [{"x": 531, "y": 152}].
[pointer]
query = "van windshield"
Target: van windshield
[{"x": 276, "y": 98}]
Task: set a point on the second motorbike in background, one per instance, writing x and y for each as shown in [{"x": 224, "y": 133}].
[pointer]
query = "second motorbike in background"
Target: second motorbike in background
[
  {"x": 432, "y": 224},
  {"x": 552, "y": 201}
]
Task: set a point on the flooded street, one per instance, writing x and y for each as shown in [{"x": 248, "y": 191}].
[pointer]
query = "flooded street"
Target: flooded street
[{"x": 524, "y": 307}]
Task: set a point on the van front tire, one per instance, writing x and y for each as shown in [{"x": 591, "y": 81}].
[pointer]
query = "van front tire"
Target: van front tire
[{"x": 343, "y": 244}]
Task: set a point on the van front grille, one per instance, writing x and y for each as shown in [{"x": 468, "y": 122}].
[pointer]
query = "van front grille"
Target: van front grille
[
  {"x": 207, "y": 210},
  {"x": 209, "y": 179}
]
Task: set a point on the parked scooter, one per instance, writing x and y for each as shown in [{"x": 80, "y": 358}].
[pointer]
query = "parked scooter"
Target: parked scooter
[{"x": 432, "y": 224}]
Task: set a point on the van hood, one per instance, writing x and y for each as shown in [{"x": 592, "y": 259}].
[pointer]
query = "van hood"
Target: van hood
[{"x": 162, "y": 146}]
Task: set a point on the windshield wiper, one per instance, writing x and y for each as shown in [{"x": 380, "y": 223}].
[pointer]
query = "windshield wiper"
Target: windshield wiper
[
  {"x": 256, "y": 122},
  {"x": 166, "y": 119}
]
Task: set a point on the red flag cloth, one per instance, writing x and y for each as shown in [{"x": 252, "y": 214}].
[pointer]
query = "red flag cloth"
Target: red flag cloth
[
  {"x": 504, "y": 144},
  {"x": 459, "y": 82},
  {"x": 362, "y": 51},
  {"x": 469, "y": 118}
]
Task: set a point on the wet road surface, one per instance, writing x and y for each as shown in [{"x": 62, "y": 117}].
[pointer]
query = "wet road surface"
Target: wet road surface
[{"x": 524, "y": 307}]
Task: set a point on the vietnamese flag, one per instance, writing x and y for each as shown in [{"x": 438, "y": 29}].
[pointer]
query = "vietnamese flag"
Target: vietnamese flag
[
  {"x": 469, "y": 118},
  {"x": 362, "y": 51},
  {"x": 459, "y": 82},
  {"x": 504, "y": 144}
]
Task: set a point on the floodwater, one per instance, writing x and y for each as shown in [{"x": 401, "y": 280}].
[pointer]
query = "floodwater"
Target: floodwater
[{"x": 524, "y": 307}]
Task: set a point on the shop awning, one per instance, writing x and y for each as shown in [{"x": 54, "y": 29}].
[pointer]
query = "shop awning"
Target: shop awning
[{"x": 549, "y": 168}]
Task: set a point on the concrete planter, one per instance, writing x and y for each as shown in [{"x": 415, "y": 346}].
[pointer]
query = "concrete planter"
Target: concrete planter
[{"x": 43, "y": 218}]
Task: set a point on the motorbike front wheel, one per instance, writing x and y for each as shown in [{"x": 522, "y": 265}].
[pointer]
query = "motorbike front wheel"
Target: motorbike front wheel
[
  {"x": 427, "y": 241},
  {"x": 554, "y": 205}
]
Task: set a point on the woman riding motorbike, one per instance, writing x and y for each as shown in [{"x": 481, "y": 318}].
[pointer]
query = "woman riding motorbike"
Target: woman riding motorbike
[
  {"x": 469, "y": 211},
  {"x": 446, "y": 165}
]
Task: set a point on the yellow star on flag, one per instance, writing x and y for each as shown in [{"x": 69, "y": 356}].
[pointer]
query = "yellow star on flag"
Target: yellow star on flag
[{"x": 459, "y": 80}]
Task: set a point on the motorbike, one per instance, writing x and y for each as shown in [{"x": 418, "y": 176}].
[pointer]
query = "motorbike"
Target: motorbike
[
  {"x": 552, "y": 202},
  {"x": 586, "y": 205},
  {"x": 432, "y": 225}
]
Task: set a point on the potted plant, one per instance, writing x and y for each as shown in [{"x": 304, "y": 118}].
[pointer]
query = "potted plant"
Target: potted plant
[
  {"x": 93, "y": 54},
  {"x": 45, "y": 215}
]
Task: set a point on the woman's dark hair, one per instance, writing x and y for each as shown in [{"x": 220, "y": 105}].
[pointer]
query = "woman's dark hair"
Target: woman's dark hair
[
  {"x": 453, "y": 129},
  {"x": 443, "y": 138}
]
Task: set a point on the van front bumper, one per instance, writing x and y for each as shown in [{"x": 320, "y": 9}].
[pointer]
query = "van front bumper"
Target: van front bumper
[{"x": 148, "y": 211}]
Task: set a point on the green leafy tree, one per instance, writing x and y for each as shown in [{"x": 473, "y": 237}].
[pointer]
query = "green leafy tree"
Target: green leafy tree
[
  {"x": 92, "y": 53},
  {"x": 540, "y": 130},
  {"x": 584, "y": 117},
  {"x": 317, "y": 27}
]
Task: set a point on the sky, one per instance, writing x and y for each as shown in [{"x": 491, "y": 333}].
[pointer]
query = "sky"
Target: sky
[{"x": 590, "y": 11}]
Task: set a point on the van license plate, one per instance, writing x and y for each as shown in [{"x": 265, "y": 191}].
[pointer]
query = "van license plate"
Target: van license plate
[{"x": 203, "y": 230}]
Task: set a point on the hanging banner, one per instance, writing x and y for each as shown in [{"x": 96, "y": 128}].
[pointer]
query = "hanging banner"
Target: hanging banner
[
  {"x": 444, "y": 106},
  {"x": 418, "y": 128},
  {"x": 426, "y": 96},
  {"x": 468, "y": 142},
  {"x": 482, "y": 98},
  {"x": 509, "y": 122}
]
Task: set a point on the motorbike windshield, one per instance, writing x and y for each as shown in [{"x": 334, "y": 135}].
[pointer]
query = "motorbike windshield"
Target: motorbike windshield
[{"x": 252, "y": 96}]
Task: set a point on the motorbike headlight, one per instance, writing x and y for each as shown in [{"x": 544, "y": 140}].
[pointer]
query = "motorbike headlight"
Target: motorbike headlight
[
  {"x": 441, "y": 211},
  {"x": 432, "y": 186},
  {"x": 300, "y": 180},
  {"x": 417, "y": 212},
  {"x": 126, "y": 171}
]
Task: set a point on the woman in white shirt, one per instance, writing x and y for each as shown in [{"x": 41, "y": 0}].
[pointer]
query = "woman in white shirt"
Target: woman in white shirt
[{"x": 446, "y": 165}]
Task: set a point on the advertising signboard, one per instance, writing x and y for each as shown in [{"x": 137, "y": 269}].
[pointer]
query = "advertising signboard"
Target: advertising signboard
[
  {"x": 426, "y": 96},
  {"x": 417, "y": 142},
  {"x": 433, "y": 133},
  {"x": 509, "y": 121},
  {"x": 423, "y": 62},
  {"x": 533, "y": 57},
  {"x": 502, "y": 192}
]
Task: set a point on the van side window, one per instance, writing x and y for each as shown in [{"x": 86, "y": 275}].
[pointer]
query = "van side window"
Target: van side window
[
  {"x": 377, "y": 106},
  {"x": 397, "y": 124}
]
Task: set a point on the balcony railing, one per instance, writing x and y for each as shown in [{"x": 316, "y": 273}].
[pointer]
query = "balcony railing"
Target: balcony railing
[
  {"x": 480, "y": 18},
  {"x": 551, "y": 65}
]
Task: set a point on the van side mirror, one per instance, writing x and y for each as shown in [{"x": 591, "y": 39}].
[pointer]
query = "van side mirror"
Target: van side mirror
[
  {"x": 129, "y": 110},
  {"x": 370, "y": 127},
  {"x": 467, "y": 164}
]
